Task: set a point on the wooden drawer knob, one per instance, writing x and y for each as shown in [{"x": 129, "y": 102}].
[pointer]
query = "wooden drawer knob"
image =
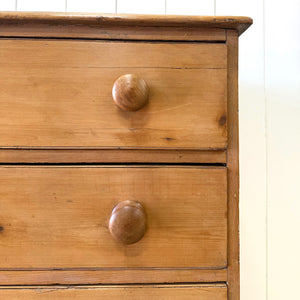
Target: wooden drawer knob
[
  {"x": 130, "y": 92},
  {"x": 127, "y": 223}
]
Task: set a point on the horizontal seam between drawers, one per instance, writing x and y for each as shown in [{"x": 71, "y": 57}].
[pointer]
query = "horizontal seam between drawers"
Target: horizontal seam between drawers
[
  {"x": 183, "y": 285},
  {"x": 156, "y": 40},
  {"x": 112, "y": 269},
  {"x": 121, "y": 165},
  {"x": 126, "y": 67},
  {"x": 36, "y": 148}
]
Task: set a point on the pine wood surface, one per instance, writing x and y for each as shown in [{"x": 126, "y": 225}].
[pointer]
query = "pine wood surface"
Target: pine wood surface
[
  {"x": 41, "y": 22},
  {"x": 130, "y": 92},
  {"x": 132, "y": 292},
  {"x": 45, "y": 30},
  {"x": 128, "y": 222},
  {"x": 110, "y": 156},
  {"x": 233, "y": 169},
  {"x": 111, "y": 276},
  {"x": 57, "y": 107},
  {"x": 59, "y": 94},
  {"x": 57, "y": 217}
]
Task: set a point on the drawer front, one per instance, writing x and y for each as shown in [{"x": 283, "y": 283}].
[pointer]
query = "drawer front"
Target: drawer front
[
  {"x": 178, "y": 292},
  {"x": 61, "y": 217},
  {"x": 58, "y": 94}
]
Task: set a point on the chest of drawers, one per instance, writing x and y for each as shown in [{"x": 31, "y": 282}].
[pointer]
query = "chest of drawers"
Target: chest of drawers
[{"x": 119, "y": 156}]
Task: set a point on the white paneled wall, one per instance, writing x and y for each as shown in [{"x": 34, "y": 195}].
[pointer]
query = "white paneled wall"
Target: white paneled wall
[
  {"x": 38, "y": 5},
  {"x": 282, "y": 62},
  {"x": 269, "y": 67},
  {"x": 101, "y": 6},
  {"x": 141, "y": 6},
  {"x": 7, "y": 5},
  {"x": 190, "y": 7}
]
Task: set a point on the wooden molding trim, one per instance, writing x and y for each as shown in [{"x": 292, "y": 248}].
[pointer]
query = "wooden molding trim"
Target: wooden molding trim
[{"x": 36, "y": 22}]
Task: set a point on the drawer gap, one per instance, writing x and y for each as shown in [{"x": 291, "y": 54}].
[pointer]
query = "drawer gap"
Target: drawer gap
[
  {"x": 114, "y": 40},
  {"x": 162, "y": 284},
  {"x": 123, "y": 164}
]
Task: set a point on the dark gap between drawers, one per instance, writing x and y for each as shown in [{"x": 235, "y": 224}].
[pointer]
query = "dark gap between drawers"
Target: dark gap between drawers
[
  {"x": 113, "y": 40},
  {"x": 160, "y": 284},
  {"x": 116, "y": 164}
]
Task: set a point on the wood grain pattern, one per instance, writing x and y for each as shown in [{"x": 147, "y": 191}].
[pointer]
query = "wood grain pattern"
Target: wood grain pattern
[
  {"x": 110, "y": 156},
  {"x": 130, "y": 92},
  {"x": 58, "y": 94},
  {"x": 60, "y": 54},
  {"x": 57, "y": 21},
  {"x": 56, "y": 107},
  {"x": 57, "y": 217},
  {"x": 109, "y": 276},
  {"x": 114, "y": 33},
  {"x": 233, "y": 169},
  {"x": 128, "y": 222},
  {"x": 188, "y": 292}
]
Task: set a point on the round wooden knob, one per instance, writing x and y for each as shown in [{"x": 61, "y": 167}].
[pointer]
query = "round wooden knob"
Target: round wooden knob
[
  {"x": 130, "y": 92},
  {"x": 127, "y": 223}
]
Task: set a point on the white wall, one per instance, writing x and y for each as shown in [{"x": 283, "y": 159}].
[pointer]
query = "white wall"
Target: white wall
[{"x": 269, "y": 129}]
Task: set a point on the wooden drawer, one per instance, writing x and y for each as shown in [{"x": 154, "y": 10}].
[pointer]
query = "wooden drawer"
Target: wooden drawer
[
  {"x": 132, "y": 292},
  {"x": 57, "y": 217},
  {"x": 81, "y": 92},
  {"x": 58, "y": 94}
]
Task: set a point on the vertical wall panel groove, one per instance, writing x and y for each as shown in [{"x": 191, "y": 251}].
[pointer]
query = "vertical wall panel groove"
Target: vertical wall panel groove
[{"x": 215, "y": 7}]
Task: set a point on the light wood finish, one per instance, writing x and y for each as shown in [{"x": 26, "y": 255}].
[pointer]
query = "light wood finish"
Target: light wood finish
[
  {"x": 65, "y": 224},
  {"x": 113, "y": 32},
  {"x": 130, "y": 92},
  {"x": 127, "y": 223},
  {"x": 110, "y": 156},
  {"x": 63, "y": 95},
  {"x": 233, "y": 168},
  {"x": 63, "y": 54},
  {"x": 107, "y": 25},
  {"x": 224, "y": 22},
  {"x": 109, "y": 276},
  {"x": 131, "y": 292},
  {"x": 57, "y": 217}
]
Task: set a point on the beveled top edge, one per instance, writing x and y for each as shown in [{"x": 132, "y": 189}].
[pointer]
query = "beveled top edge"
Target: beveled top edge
[{"x": 97, "y": 20}]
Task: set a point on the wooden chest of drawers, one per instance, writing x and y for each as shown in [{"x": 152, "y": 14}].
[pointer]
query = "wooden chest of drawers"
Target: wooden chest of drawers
[{"x": 119, "y": 153}]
